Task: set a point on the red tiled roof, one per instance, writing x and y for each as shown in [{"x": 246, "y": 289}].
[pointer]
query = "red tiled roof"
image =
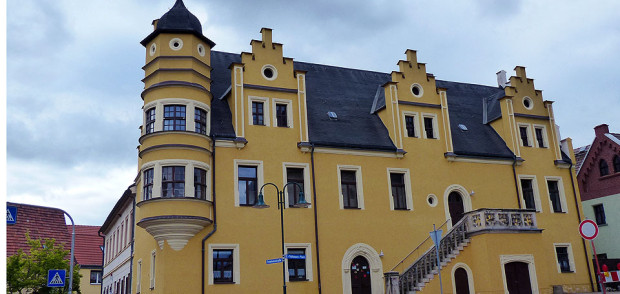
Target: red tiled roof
[
  {"x": 87, "y": 245},
  {"x": 40, "y": 222}
]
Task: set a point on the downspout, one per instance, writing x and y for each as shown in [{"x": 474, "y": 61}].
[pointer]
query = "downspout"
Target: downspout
[
  {"x": 514, "y": 174},
  {"x": 102, "y": 262},
  {"x": 316, "y": 227},
  {"x": 585, "y": 249},
  {"x": 133, "y": 232},
  {"x": 202, "y": 277}
]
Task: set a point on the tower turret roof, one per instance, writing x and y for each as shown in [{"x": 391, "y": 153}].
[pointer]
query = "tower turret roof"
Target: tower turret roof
[{"x": 178, "y": 20}]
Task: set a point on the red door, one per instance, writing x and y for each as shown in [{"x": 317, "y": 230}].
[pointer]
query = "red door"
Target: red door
[
  {"x": 518, "y": 278},
  {"x": 360, "y": 276}
]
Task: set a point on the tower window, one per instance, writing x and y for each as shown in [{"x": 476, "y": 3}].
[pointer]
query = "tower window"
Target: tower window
[
  {"x": 200, "y": 119},
  {"x": 150, "y": 120},
  {"x": 173, "y": 181},
  {"x": 147, "y": 186},
  {"x": 174, "y": 118},
  {"x": 258, "y": 113},
  {"x": 200, "y": 183}
]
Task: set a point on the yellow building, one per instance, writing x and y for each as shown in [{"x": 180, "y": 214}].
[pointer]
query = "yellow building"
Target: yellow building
[{"x": 381, "y": 157}]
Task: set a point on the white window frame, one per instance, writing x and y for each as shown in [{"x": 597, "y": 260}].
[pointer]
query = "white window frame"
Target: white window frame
[
  {"x": 139, "y": 277},
  {"x": 358, "y": 185},
  {"x": 529, "y": 134},
  {"x": 531, "y": 266},
  {"x": 416, "y": 123},
  {"x": 289, "y": 112},
  {"x": 190, "y": 106},
  {"x": 259, "y": 175},
  {"x": 189, "y": 165},
  {"x": 534, "y": 187},
  {"x": 435, "y": 125},
  {"x": 470, "y": 277},
  {"x": 152, "y": 270},
  {"x": 571, "y": 259},
  {"x": 561, "y": 191},
  {"x": 544, "y": 136},
  {"x": 236, "y": 261},
  {"x": 266, "y": 116},
  {"x": 307, "y": 186},
  {"x": 407, "y": 176},
  {"x": 308, "y": 248}
]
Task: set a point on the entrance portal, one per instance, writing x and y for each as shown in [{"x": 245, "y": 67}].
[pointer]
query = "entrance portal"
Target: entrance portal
[
  {"x": 360, "y": 276},
  {"x": 518, "y": 278}
]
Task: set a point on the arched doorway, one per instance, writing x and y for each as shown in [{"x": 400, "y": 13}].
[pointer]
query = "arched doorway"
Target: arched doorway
[
  {"x": 461, "y": 281},
  {"x": 518, "y": 278},
  {"x": 455, "y": 206},
  {"x": 360, "y": 276}
]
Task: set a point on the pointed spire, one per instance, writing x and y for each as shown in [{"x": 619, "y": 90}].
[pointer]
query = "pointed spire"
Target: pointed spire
[{"x": 178, "y": 20}]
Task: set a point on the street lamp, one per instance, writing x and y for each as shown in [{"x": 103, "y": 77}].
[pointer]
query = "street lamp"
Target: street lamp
[{"x": 281, "y": 206}]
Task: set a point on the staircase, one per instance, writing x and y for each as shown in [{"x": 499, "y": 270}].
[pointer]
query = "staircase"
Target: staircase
[{"x": 424, "y": 268}]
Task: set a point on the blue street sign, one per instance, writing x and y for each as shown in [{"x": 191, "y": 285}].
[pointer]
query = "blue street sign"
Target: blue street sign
[
  {"x": 56, "y": 278},
  {"x": 275, "y": 260},
  {"x": 11, "y": 215},
  {"x": 436, "y": 236},
  {"x": 296, "y": 256}
]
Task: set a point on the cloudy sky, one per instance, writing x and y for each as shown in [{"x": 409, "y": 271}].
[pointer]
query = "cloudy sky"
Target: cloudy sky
[{"x": 73, "y": 70}]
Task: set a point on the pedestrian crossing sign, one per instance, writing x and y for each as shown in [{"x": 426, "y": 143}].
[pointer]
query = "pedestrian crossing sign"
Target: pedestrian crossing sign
[
  {"x": 11, "y": 215},
  {"x": 56, "y": 278}
]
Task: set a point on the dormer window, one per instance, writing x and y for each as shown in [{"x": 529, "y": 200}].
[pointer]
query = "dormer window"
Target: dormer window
[
  {"x": 603, "y": 167},
  {"x": 332, "y": 115}
]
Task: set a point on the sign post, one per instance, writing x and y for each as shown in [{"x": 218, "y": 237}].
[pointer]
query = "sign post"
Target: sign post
[
  {"x": 436, "y": 236},
  {"x": 589, "y": 230}
]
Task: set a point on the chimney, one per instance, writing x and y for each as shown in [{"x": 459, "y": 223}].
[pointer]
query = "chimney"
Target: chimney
[
  {"x": 154, "y": 23},
  {"x": 501, "y": 79},
  {"x": 601, "y": 130}
]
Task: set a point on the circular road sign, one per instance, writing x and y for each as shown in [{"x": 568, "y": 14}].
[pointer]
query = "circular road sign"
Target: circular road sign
[{"x": 588, "y": 229}]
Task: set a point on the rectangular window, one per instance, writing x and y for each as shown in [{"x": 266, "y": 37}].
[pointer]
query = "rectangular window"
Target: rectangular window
[
  {"x": 563, "y": 261},
  {"x": 525, "y": 141},
  {"x": 147, "y": 184},
  {"x": 95, "y": 277},
  {"x": 554, "y": 196},
  {"x": 428, "y": 128},
  {"x": 258, "y": 114},
  {"x": 174, "y": 118},
  {"x": 200, "y": 120},
  {"x": 173, "y": 181},
  {"x": 200, "y": 183},
  {"x": 294, "y": 175},
  {"x": 247, "y": 183},
  {"x": 150, "y": 120},
  {"x": 152, "y": 276},
  {"x": 281, "y": 115},
  {"x": 296, "y": 267},
  {"x": 139, "y": 277},
  {"x": 348, "y": 184},
  {"x": 397, "y": 182},
  {"x": 528, "y": 193},
  {"x": 223, "y": 266},
  {"x": 539, "y": 137},
  {"x": 410, "y": 125},
  {"x": 599, "y": 214}
]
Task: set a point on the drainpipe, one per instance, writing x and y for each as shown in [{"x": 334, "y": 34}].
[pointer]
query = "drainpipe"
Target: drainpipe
[
  {"x": 316, "y": 227},
  {"x": 133, "y": 221},
  {"x": 583, "y": 242},
  {"x": 514, "y": 174},
  {"x": 102, "y": 262},
  {"x": 202, "y": 276}
]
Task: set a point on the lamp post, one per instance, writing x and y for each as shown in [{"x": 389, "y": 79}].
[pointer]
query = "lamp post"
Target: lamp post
[{"x": 281, "y": 206}]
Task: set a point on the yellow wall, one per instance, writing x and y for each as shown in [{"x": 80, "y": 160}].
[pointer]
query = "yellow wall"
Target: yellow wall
[{"x": 85, "y": 286}]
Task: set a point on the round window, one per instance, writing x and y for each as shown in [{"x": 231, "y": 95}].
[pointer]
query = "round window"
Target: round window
[
  {"x": 431, "y": 199},
  {"x": 201, "y": 50},
  {"x": 417, "y": 90},
  {"x": 269, "y": 72},
  {"x": 153, "y": 49},
  {"x": 527, "y": 102},
  {"x": 176, "y": 44}
]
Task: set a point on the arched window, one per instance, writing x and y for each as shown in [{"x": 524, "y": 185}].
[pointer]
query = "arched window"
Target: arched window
[
  {"x": 603, "y": 168},
  {"x": 617, "y": 164}
]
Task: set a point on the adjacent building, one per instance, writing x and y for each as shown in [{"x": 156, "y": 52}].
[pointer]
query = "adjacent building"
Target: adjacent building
[
  {"x": 382, "y": 159},
  {"x": 599, "y": 185},
  {"x": 89, "y": 255}
]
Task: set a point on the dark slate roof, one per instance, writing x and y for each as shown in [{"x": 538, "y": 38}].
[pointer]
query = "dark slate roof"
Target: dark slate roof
[
  {"x": 178, "y": 20},
  {"x": 465, "y": 104},
  {"x": 355, "y": 96}
]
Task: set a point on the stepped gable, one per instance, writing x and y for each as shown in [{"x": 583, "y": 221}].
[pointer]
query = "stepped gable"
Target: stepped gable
[
  {"x": 87, "y": 245},
  {"x": 41, "y": 222}
]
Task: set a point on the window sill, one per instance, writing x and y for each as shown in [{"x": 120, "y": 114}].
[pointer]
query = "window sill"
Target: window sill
[
  {"x": 402, "y": 209},
  {"x": 299, "y": 280},
  {"x": 567, "y": 272},
  {"x": 602, "y": 225},
  {"x": 224, "y": 283},
  {"x": 351, "y": 208}
]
